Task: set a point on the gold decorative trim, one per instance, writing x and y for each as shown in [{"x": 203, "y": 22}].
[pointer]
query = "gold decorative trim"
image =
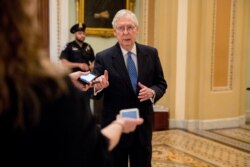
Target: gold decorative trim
[
  {"x": 231, "y": 48},
  {"x": 232, "y": 43},
  {"x": 58, "y": 26},
  {"x": 144, "y": 25}
]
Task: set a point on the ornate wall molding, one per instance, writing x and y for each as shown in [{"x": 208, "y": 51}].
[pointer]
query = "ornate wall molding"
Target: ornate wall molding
[
  {"x": 143, "y": 37},
  {"x": 215, "y": 76},
  {"x": 208, "y": 123},
  {"x": 59, "y": 27}
]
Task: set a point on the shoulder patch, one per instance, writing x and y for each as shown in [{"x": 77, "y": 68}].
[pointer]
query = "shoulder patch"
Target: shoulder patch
[{"x": 87, "y": 48}]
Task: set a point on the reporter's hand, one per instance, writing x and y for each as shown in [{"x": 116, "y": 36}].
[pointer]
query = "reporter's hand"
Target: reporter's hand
[
  {"x": 74, "y": 78},
  {"x": 128, "y": 124},
  {"x": 102, "y": 81},
  {"x": 83, "y": 66}
]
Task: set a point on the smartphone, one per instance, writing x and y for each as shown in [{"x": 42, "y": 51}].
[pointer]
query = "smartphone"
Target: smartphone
[
  {"x": 87, "y": 79},
  {"x": 130, "y": 113}
]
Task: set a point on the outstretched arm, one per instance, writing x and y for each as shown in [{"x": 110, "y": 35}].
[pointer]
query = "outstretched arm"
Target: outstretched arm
[{"x": 121, "y": 125}]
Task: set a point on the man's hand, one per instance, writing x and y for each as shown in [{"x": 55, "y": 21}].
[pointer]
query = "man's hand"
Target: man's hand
[
  {"x": 102, "y": 81},
  {"x": 145, "y": 93}
]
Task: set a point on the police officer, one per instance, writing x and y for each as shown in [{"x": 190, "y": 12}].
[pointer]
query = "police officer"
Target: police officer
[{"x": 78, "y": 55}]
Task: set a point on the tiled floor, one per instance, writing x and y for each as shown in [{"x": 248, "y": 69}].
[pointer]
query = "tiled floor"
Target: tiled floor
[{"x": 199, "y": 148}]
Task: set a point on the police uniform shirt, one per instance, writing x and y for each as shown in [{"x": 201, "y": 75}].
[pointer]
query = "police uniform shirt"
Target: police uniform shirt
[{"x": 74, "y": 53}]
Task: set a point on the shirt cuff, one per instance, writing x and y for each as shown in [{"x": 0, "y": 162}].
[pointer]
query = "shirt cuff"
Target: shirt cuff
[
  {"x": 152, "y": 99},
  {"x": 96, "y": 92}
]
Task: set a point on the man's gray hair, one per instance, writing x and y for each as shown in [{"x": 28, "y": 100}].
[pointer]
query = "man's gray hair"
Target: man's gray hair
[{"x": 124, "y": 13}]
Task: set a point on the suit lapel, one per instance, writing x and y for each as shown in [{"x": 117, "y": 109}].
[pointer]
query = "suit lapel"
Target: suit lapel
[
  {"x": 141, "y": 61},
  {"x": 119, "y": 65}
]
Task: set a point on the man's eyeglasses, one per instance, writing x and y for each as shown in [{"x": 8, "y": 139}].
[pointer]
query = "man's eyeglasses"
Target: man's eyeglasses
[{"x": 129, "y": 28}]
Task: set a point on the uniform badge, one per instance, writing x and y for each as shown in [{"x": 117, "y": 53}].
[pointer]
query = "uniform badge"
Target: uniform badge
[
  {"x": 74, "y": 48},
  {"x": 87, "y": 48}
]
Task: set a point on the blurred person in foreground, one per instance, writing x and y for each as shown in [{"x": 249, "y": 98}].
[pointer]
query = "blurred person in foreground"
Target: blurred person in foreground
[
  {"x": 136, "y": 80},
  {"x": 42, "y": 122}
]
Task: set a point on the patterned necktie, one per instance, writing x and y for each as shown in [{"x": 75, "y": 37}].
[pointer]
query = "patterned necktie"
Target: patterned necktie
[{"x": 132, "y": 71}]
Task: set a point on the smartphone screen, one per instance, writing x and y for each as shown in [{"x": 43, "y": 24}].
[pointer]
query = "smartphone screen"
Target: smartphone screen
[
  {"x": 87, "y": 78},
  {"x": 130, "y": 113}
]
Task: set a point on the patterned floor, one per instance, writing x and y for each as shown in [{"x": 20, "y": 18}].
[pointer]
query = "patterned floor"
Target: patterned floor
[{"x": 199, "y": 148}]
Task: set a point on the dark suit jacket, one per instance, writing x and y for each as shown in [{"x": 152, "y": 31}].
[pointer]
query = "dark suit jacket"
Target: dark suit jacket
[{"x": 120, "y": 95}]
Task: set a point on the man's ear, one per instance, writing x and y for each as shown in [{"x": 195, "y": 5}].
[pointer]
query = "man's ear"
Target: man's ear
[{"x": 114, "y": 32}]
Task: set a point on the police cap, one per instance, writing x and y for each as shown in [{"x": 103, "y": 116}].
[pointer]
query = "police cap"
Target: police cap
[{"x": 78, "y": 27}]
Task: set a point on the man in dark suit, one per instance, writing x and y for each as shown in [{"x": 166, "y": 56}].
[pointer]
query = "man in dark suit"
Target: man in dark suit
[{"x": 141, "y": 90}]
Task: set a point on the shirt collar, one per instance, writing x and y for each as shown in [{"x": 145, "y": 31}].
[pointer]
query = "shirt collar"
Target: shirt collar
[{"x": 133, "y": 50}]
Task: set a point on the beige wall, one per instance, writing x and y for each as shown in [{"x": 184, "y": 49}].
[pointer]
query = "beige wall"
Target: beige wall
[
  {"x": 216, "y": 52},
  {"x": 165, "y": 38}
]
